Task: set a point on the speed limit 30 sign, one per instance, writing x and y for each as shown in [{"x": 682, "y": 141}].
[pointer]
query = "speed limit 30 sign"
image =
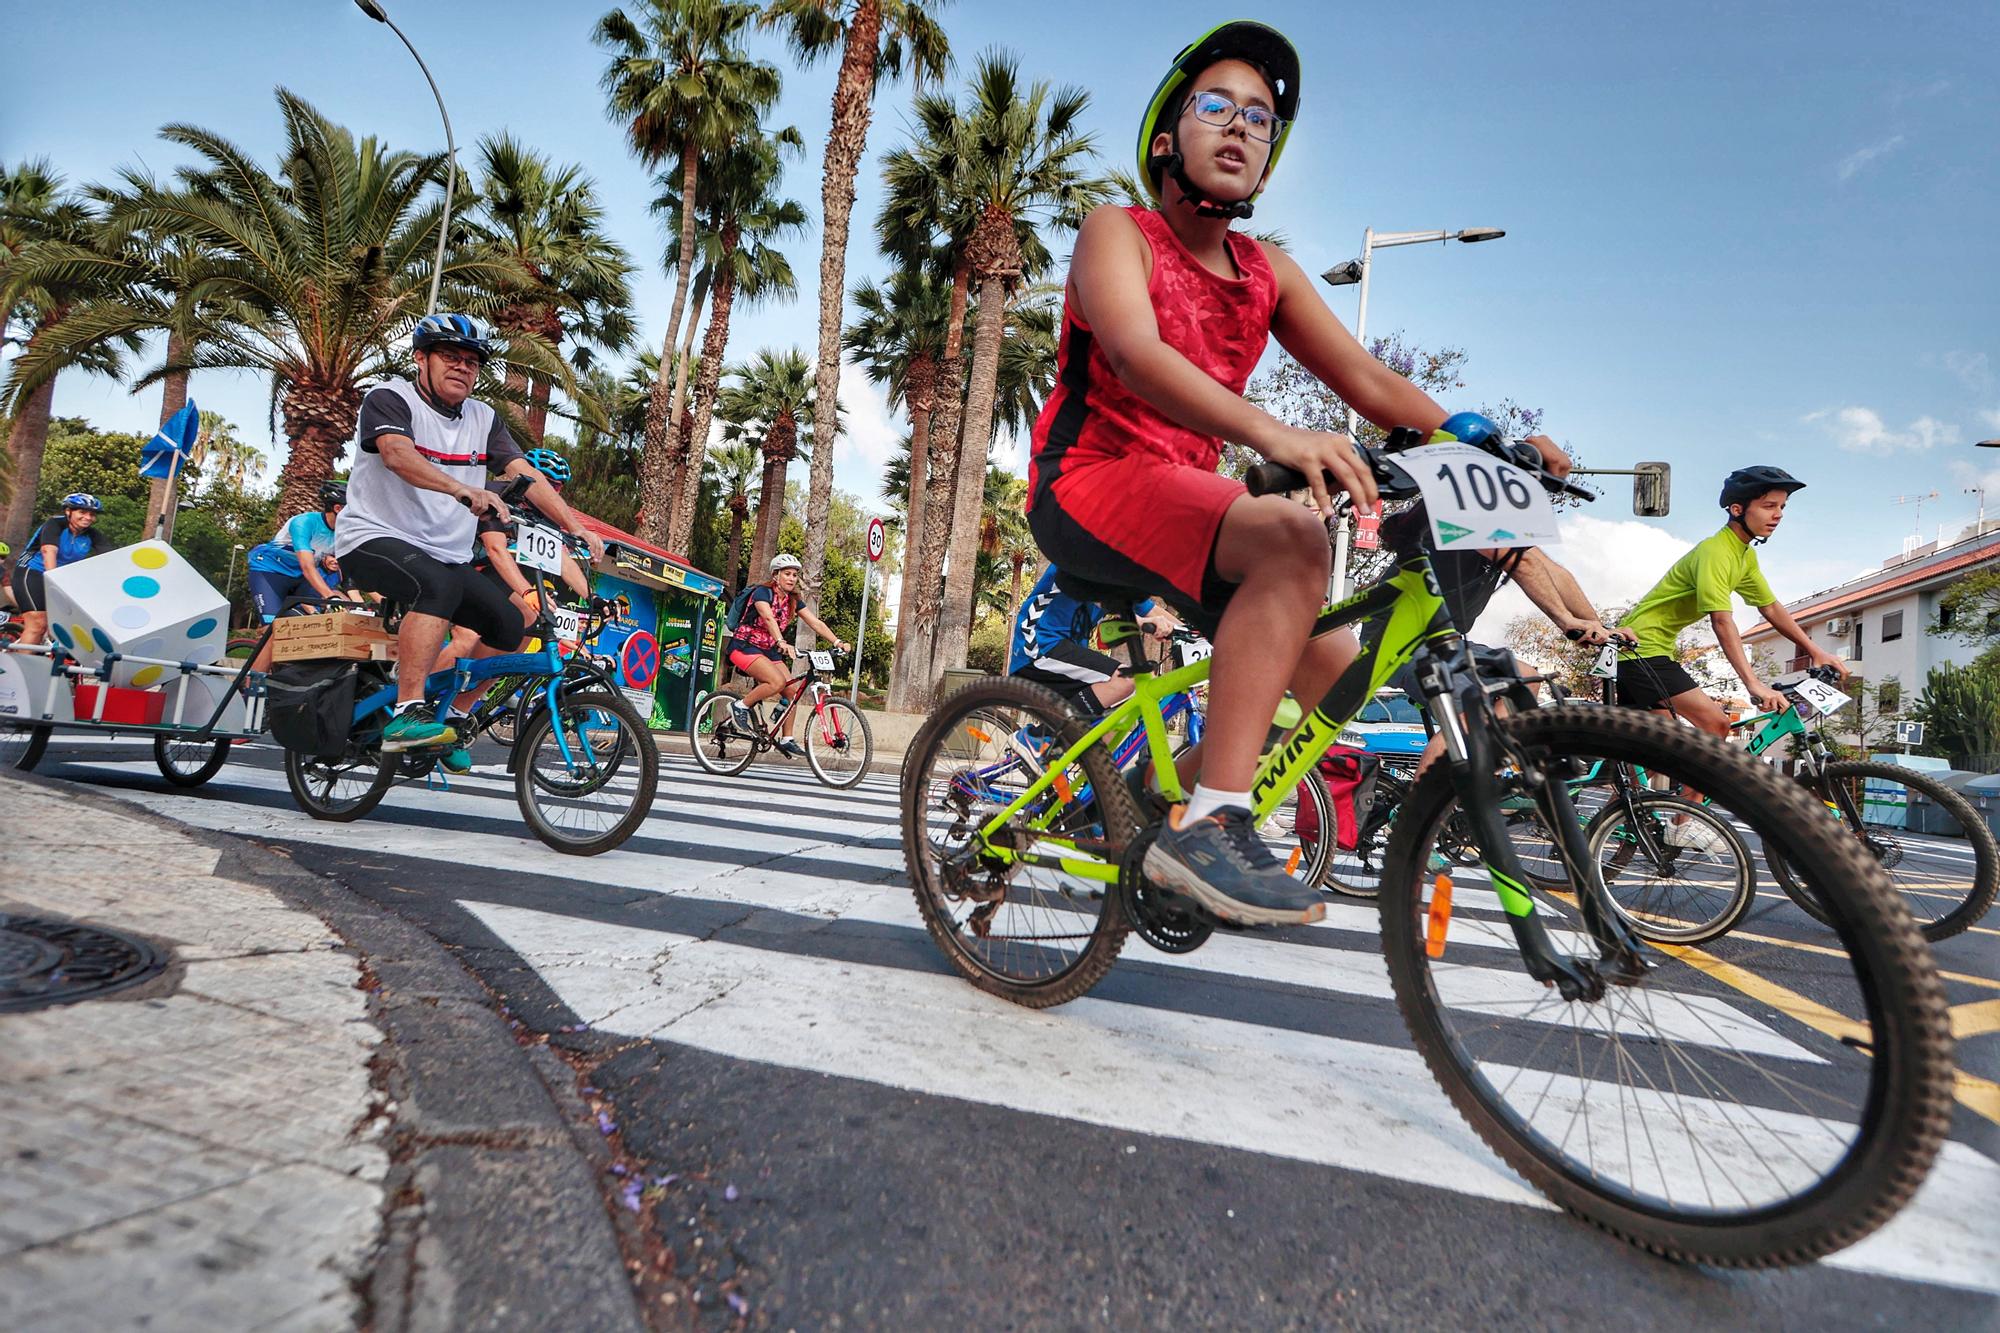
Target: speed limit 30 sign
[{"x": 878, "y": 540}]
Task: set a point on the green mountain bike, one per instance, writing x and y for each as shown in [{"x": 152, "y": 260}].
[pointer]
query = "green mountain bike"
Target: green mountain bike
[{"x": 1684, "y": 1099}]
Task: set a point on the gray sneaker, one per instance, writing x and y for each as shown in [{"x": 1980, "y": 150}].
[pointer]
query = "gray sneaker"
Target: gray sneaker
[
  {"x": 1221, "y": 863},
  {"x": 740, "y": 718}
]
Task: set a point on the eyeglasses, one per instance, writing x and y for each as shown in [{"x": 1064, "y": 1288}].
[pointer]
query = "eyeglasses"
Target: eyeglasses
[
  {"x": 1215, "y": 109},
  {"x": 458, "y": 356}
]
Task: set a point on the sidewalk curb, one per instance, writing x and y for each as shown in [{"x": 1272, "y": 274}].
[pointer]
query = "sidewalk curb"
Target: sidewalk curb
[{"x": 493, "y": 1218}]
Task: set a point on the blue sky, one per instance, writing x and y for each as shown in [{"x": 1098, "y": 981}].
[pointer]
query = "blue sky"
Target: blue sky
[{"x": 1737, "y": 232}]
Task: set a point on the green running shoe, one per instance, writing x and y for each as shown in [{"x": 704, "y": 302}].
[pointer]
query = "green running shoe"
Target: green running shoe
[{"x": 415, "y": 729}]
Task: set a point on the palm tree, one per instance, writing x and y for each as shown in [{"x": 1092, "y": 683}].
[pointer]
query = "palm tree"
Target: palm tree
[
  {"x": 1026, "y": 160},
  {"x": 236, "y": 460},
  {"x": 680, "y": 80},
  {"x": 733, "y": 468},
  {"x": 548, "y": 221},
  {"x": 770, "y": 407},
  {"x": 333, "y": 257},
  {"x": 746, "y": 214},
  {"x": 1003, "y": 530},
  {"x": 874, "y": 37},
  {"x": 41, "y": 221},
  {"x": 143, "y": 283}
]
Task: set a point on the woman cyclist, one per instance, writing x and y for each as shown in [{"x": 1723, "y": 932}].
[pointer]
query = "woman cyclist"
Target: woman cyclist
[
  {"x": 761, "y": 648},
  {"x": 65, "y": 539}
]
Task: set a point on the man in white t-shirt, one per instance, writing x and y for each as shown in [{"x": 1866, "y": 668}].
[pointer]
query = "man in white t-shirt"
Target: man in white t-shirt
[{"x": 413, "y": 504}]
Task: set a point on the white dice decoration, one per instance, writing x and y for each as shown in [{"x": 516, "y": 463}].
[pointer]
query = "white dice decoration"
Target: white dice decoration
[{"x": 142, "y": 600}]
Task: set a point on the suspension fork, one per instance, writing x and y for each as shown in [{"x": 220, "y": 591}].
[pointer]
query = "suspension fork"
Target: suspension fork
[
  {"x": 1465, "y": 717},
  {"x": 1619, "y": 949}
]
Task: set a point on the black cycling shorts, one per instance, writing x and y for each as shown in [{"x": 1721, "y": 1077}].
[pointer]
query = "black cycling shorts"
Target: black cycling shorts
[
  {"x": 1648, "y": 682},
  {"x": 1070, "y": 669},
  {"x": 429, "y": 587},
  {"x": 28, "y": 592}
]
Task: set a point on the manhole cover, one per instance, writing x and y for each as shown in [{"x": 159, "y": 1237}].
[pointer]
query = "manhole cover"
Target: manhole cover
[{"x": 45, "y": 962}]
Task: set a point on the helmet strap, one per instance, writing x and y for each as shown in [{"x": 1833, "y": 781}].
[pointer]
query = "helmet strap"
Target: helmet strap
[{"x": 1174, "y": 164}]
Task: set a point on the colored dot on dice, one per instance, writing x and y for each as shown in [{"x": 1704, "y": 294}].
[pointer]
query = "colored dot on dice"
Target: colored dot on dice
[
  {"x": 62, "y": 635},
  {"x": 140, "y": 586},
  {"x": 131, "y": 617},
  {"x": 104, "y": 645},
  {"x": 202, "y": 628},
  {"x": 149, "y": 557},
  {"x": 145, "y": 676}
]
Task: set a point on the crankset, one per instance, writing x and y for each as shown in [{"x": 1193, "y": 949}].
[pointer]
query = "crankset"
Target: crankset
[{"x": 1162, "y": 918}]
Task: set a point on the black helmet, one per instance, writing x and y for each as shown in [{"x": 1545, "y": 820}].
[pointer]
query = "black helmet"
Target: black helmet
[
  {"x": 1747, "y": 483},
  {"x": 332, "y": 494}
]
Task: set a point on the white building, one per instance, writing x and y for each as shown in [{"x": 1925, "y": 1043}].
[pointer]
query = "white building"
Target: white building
[{"x": 1880, "y": 622}]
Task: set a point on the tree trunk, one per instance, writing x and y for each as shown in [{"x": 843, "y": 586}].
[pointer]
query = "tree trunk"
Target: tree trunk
[
  {"x": 319, "y": 420},
  {"x": 538, "y": 413},
  {"x": 853, "y": 92},
  {"x": 26, "y": 443},
  {"x": 922, "y": 398},
  {"x": 656, "y": 465},
  {"x": 714, "y": 345},
  {"x": 677, "y": 489},
  {"x": 739, "y": 508},
  {"x": 918, "y": 618},
  {"x": 771, "y": 500},
  {"x": 1017, "y": 559},
  {"x": 955, "y": 621},
  {"x": 173, "y": 397}
]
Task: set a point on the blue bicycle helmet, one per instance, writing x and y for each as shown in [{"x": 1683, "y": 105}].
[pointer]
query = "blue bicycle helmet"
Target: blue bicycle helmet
[
  {"x": 550, "y": 464},
  {"x": 448, "y": 330},
  {"x": 82, "y": 500}
]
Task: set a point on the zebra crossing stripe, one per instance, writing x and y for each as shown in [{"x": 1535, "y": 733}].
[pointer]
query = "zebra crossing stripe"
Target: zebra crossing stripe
[{"x": 1326, "y": 1100}]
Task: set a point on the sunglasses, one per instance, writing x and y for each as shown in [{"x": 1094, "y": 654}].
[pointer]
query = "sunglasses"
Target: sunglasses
[{"x": 1215, "y": 109}]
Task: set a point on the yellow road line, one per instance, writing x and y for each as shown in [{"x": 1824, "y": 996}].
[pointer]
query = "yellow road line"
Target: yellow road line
[
  {"x": 1979, "y": 1095},
  {"x": 1975, "y": 1020},
  {"x": 1968, "y": 978}
]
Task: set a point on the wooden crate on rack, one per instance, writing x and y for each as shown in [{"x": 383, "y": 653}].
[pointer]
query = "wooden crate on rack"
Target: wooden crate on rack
[{"x": 344, "y": 636}]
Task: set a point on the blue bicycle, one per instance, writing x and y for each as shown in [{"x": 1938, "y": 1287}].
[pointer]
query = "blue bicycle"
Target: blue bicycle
[{"x": 584, "y": 763}]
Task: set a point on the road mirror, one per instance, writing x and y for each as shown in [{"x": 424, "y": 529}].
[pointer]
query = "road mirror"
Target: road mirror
[{"x": 1650, "y": 489}]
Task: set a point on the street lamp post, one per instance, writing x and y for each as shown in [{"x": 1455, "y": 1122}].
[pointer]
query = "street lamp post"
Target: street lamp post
[
  {"x": 229, "y": 580},
  {"x": 373, "y": 9},
  {"x": 1357, "y": 271}
]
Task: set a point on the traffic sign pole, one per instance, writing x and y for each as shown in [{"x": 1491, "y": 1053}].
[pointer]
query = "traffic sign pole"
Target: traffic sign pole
[{"x": 878, "y": 542}]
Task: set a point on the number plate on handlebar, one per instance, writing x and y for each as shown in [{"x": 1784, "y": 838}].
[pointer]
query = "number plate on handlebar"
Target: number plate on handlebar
[
  {"x": 1476, "y": 501},
  {"x": 821, "y": 659},
  {"x": 539, "y": 547},
  {"x": 1186, "y": 654},
  {"x": 568, "y": 623},
  {"x": 1824, "y": 698}
]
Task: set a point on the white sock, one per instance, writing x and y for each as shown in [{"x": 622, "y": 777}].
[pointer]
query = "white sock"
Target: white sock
[{"x": 1206, "y": 801}]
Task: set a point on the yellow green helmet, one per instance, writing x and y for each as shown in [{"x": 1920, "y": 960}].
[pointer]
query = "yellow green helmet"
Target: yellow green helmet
[{"x": 1242, "y": 39}]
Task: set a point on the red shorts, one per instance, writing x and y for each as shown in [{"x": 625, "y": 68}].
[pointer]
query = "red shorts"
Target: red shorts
[{"x": 1141, "y": 523}]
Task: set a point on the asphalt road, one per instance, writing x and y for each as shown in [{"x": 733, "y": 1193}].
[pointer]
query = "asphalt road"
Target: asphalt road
[{"x": 1240, "y": 1137}]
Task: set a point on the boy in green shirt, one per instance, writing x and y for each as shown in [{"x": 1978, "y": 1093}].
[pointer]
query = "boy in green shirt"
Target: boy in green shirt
[{"x": 1700, "y": 584}]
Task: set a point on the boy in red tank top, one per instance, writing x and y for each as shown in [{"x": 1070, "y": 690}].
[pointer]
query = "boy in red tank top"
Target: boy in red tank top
[{"x": 1165, "y": 315}]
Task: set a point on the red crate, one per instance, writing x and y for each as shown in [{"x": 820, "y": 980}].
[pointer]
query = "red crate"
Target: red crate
[{"x": 140, "y": 708}]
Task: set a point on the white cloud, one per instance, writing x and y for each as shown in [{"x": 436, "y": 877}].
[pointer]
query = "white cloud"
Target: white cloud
[
  {"x": 1920, "y": 92},
  {"x": 872, "y": 432},
  {"x": 1861, "y": 430},
  {"x": 1861, "y": 157},
  {"x": 1973, "y": 369},
  {"x": 1615, "y": 560}
]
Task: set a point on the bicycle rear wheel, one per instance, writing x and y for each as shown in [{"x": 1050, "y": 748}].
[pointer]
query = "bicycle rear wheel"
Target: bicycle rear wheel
[
  {"x": 1037, "y": 932},
  {"x": 587, "y": 772},
  {"x": 341, "y": 790},
  {"x": 1938, "y": 851},
  {"x": 714, "y": 740},
  {"x": 839, "y": 745},
  {"x": 1677, "y": 871},
  {"x": 1743, "y": 1104}
]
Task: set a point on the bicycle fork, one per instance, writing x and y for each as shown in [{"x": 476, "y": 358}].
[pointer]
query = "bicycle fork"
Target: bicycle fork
[{"x": 1474, "y": 760}]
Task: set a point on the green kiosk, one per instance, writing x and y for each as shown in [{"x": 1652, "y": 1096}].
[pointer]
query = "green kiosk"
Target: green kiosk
[{"x": 667, "y": 641}]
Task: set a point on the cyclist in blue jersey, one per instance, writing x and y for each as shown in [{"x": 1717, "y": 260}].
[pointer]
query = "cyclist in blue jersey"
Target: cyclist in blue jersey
[
  {"x": 296, "y": 562},
  {"x": 1051, "y": 646},
  {"x": 63, "y": 540}
]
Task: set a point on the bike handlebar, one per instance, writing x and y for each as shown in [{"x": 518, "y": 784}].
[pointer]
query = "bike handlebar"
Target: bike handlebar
[{"x": 1393, "y": 483}]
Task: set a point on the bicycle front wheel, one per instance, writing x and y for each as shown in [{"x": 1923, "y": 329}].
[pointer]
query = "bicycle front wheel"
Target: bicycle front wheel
[
  {"x": 839, "y": 745},
  {"x": 586, "y": 773},
  {"x": 1742, "y": 1104},
  {"x": 189, "y": 763},
  {"x": 1039, "y": 918},
  {"x": 1939, "y": 852},
  {"x": 713, "y": 738}
]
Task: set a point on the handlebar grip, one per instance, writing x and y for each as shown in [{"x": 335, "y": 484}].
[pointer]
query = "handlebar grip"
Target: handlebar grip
[
  {"x": 1274, "y": 479},
  {"x": 465, "y": 500}
]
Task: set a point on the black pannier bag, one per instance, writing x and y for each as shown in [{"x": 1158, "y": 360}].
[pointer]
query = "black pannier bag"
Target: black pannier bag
[{"x": 311, "y": 706}]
